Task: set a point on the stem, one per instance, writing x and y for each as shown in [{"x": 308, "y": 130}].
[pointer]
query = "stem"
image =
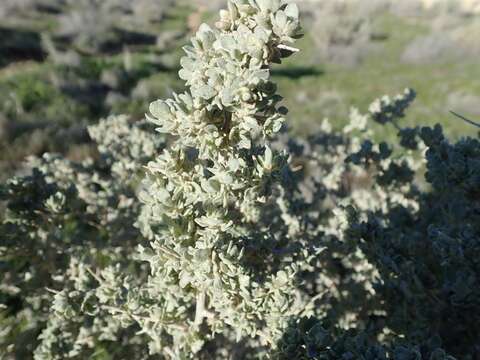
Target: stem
[
  {"x": 169, "y": 252},
  {"x": 465, "y": 119},
  {"x": 200, "y": 308}
]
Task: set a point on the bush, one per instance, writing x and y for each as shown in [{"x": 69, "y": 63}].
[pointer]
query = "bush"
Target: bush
[{"x": 231, "y": 239}]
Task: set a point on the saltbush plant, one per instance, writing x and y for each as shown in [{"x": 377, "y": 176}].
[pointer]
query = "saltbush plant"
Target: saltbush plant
[
  {"x": 219, "y": 236},
  {"x": 61, "y": 218}
]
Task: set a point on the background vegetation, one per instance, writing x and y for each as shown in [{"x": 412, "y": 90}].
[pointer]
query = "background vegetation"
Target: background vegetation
[{"x": 65, "y": 64}]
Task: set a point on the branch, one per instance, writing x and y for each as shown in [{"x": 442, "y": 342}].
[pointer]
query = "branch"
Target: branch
[
  {"x": 465, "y": 119},
  {"x": 200, "y": 307}
]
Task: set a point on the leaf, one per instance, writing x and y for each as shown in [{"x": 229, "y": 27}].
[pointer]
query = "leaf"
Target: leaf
[
  {"x": 281, "y": 20},
  {"x": 268, "y": 158},
  {"x": 159, "y": 109},
  {"x": 227, "y": 42},
  {"x": 226, "y": 96},
  {"x": 292, "y": 11},
  {"x": 185, "y": 74},
  {"x": 206, "y": 92},
  {"x": 252, "y": 125}
]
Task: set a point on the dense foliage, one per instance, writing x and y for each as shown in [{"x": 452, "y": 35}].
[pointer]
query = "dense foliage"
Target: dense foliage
[{"x": 221, "y": 236}]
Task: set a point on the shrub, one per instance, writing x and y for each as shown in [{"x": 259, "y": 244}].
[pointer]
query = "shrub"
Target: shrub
[
  {"x": 343, "y": 31},
  {"x": 240, "y": 241},
  {"x": 61, "y": 218}
]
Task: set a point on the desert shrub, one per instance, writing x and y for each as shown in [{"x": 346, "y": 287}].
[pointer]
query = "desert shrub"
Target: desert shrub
[
  {"x": 448, "y": 40},
  {"x": 88, "y": 59},
  {"x": 343, "y": 31},
  {"x": 60, "y": 217},
  {"x": 10, "y": 7},
  {"x": 413, "y": 243},
  {"x": 99, "y": 49},
  {"x": 428, "y": 273},
  {"x": 91, "y": 26},
  {"x": 426, "y": 49},
  {"x": 228, "y": 238}
]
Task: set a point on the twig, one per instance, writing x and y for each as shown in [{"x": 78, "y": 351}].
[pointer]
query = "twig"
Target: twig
[
  {"x": 465, "y": 119},
  {"x": 200, "y": 307},
  {"x": 288, "y": 48},
  {"x": 98, "y": 278}
]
